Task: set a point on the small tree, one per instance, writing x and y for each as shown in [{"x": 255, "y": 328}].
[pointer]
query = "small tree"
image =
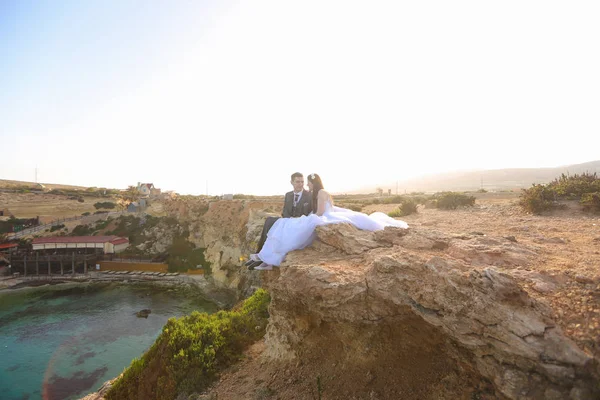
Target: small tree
[{"x": 130, "y": 195}]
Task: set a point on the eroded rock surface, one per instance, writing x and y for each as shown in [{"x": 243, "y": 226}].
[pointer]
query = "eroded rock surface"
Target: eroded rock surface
[{"x": 422, "y": 295}]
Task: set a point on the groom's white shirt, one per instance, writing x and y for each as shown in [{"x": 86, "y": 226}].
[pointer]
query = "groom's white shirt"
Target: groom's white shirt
[{"x": 299, "y": 197}]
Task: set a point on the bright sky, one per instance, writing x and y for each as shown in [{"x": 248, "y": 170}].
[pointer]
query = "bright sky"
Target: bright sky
[{"x": 241, "y": 94}]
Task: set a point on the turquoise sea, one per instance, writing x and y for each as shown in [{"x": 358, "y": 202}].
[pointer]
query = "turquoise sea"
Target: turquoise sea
[{"x": 64, "y": 341}]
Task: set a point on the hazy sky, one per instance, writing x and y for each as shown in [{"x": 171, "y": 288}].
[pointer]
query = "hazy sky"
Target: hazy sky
[{"x": 241, "y": 94}]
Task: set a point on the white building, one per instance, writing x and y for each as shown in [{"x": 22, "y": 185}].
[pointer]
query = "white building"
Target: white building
[{"x": 108, "y": 244}]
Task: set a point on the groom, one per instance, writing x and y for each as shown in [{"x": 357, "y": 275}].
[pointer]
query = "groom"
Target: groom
[{"x": 297, "y": 203}]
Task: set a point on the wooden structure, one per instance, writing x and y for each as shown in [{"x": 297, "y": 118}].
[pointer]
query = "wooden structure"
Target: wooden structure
[
  {"x": 36, "y": 264},
  {"x": 62, "y": 244}
]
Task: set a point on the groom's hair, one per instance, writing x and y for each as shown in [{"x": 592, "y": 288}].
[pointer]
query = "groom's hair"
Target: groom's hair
[{"x": 297, "y": 175}]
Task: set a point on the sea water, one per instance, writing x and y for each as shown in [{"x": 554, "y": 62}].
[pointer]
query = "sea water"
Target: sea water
[{"x": 64, "y": 341}]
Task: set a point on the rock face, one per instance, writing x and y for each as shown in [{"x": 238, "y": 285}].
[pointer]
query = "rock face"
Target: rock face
[
  {"x": 229, "y": 231},
  {"x": 420, "y": 300},
  {"x": 421, "y": 303}
]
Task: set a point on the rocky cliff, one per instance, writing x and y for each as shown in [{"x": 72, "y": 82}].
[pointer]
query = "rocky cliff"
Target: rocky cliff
[
  {"x": 401, "y": 314},
  {"x": 229, "y": 231},
  {"x": 426, "y": 306}
]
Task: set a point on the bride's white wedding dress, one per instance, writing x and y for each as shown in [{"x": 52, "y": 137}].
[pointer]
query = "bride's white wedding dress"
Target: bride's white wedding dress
[{"x": 289, "y": 234}]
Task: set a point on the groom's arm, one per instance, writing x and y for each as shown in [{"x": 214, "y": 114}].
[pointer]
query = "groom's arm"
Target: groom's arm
[
  {"x": 307, "y": 205},
  {"x": 287, "y": 206}
]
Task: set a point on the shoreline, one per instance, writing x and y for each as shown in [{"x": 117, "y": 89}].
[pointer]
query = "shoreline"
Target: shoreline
[
  {"x": 221, "y": 297},
  {"x": 186, "y": 286}
]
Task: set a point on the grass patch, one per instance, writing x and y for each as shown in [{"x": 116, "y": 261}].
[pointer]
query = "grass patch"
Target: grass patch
[{"x": 191, "y": 350}]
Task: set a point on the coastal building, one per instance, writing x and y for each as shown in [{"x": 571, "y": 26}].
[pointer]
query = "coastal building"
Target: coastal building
[
  {"x": 147, "y": 190},
  {"x": 6, "y": 248},
  {"x": 137, "y": 206},
  {"x": 105, "y": 244}
]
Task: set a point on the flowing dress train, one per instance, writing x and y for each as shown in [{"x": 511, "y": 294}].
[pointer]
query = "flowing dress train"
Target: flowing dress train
[{"x": 289, "y": 234}]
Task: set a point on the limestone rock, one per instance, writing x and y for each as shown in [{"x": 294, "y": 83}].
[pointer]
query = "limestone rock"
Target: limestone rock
[
  {"x": 450, "y": 306},
  {"x": 483, "y": 250},
  {"x": 347, "y": 238}
]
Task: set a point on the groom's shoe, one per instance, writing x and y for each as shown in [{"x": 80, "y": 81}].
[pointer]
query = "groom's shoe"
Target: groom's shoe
[
  {"x": 263, "y": 267},
  {"x": 248, "y": 263},
  {"x": 254, "y": 264}
]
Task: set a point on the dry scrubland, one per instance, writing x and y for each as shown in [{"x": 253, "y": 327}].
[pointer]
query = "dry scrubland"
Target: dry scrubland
[
  {"x": 46, "y": 206},
  {"x": 564, "y": 274}
]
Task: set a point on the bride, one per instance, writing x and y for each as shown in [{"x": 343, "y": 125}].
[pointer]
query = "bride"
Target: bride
[{"x": 289, "y": 234}]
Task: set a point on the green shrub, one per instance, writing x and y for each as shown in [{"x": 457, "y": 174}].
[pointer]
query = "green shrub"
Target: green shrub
[
  {"x": 407, "y": 207},
  {"x": 85, "y": 214},
  {"x": 584, "y": 187},
  {"x": 191, "y": 350},
  {"x": 420, "y": 199},
  {"x": 103, "y": 224},
  {"x": 184, "y": 255},
  {"x": 452, "y": 200},
  {"x": 575, "y": 186},
  {"x": 105, "y": 204},
  {"x": 536, "y": 199},
  {"x": 395, "y": 213},
  {"x": 82, "y": 230},
  {"x": 56, "y": 227},
  {"x": 394, "y": 200},
  {"x": 591, "y": 201}
]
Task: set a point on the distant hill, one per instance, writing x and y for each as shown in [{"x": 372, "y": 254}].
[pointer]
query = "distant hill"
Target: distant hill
[
  {"x": 495, "y": 179},
  {"x": 8, "y": 184}
]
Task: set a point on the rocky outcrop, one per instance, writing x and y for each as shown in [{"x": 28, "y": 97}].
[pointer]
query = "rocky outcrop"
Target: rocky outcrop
[
  {"x": 424, "y": 304},
  {"x": 229, "y": 231},
  {"x": 159, "y": 238},
  {"x": 143, "y": 313},
  {"x": 419, "y": 300}
]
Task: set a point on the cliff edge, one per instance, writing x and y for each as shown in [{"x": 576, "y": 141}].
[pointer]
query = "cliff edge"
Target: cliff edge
[{"x": 420, "y": 314}]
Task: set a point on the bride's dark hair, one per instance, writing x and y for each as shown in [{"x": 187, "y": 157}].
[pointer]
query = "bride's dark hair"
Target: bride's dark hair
[{"x": 317, "y": 185}]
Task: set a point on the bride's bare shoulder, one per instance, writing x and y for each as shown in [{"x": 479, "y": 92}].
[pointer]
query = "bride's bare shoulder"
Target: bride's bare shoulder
[{"x": 324, "y": 194}]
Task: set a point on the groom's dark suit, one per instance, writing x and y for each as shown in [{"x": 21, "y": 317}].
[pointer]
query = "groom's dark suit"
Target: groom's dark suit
[{"x": 302, "y": 207}]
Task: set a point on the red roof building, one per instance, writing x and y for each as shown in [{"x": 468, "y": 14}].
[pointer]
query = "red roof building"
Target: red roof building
[{"x": 6, "y": 247}]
